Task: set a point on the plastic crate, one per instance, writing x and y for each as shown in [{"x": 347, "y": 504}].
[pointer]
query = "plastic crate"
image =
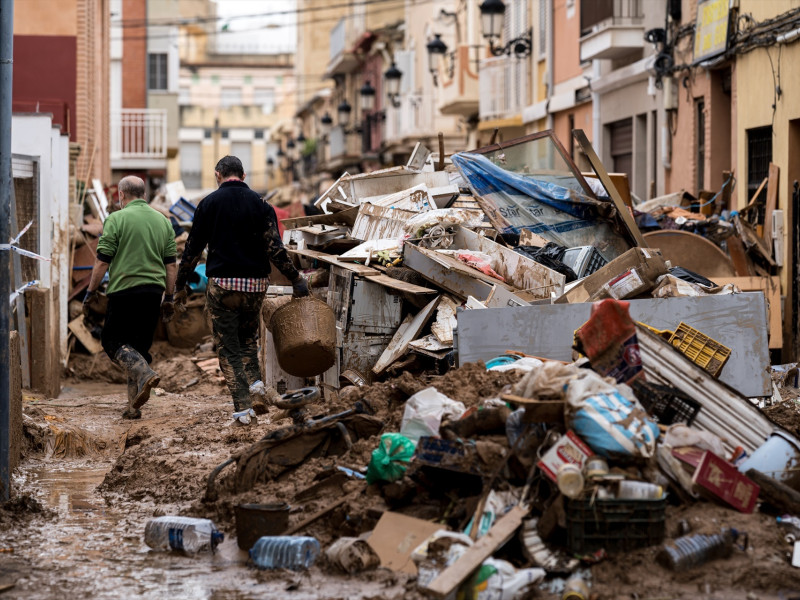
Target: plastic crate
[
  {"x": 183, "y": 210},
  {"x": 444, "y": 454},
  {"x": 667, "y": 404},
  {"x": 613, "y": 525},
  {"x": 662, "y": 333},
  {"x": 705, "y": 352}
]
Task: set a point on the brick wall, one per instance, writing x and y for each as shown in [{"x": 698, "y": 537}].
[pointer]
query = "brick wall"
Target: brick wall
[{"x": 134, "y": 55}]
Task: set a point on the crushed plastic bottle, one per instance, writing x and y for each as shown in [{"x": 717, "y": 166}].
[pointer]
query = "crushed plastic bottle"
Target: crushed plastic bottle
[
  {"x": 186, "y": 534},
  {"x": 576, "y": 588},
  {"x": 284, "y": 552},
  {"x": 790, "y": 526},
  {"x": 694, "y": 550}
]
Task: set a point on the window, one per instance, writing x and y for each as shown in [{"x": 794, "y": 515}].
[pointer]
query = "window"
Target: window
[
  {"x": 184, "y": 95},
  {"x": 701, "y": 144},
  {"x": 265, "y": 98},
  {"x": 542, "y": 28},
  {"x": 230, "y": 96},
  {"x": 157, "y": 71},
  {"x": 759, "y": 155},
  {"x": 258, "y": 134},
  {"x": 243, "y": 150}
]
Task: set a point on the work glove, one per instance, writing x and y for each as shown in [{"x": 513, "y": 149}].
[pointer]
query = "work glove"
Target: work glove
[
  {"x": 167, "y": 308},
  {"x": 179, "y": 301},
  {"x": 299, "y": 288},
  {"x": 87, "y": 300}
]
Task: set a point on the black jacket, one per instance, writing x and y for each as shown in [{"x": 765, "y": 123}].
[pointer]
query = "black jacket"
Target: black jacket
[{"x": 241, "y": 231}]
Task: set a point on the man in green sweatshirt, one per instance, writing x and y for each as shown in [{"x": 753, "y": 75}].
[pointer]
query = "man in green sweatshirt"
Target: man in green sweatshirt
[{"x": 138, "y": 250}]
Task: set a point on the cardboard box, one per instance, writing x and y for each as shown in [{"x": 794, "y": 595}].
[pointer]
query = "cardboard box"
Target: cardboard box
[
  {"x": 629, "y": 275},
  {"x": 569, "y": 449},
  {"x": 720, "y": 479}
]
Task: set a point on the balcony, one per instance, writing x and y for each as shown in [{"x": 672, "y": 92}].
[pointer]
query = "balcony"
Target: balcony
[
  {"x": 459, "y": 95},
  {"x": 504, "y": 83},
  {"x": 342, "y": 59},
  {"x": 343, "y": 149},
  {"x": 412, "y": 120},
  {"x": 611, "y": 29},
  {"x": 139, "y": 138}
]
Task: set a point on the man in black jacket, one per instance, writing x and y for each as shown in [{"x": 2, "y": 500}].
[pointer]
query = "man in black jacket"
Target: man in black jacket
[{"x": 241, "y": 232}]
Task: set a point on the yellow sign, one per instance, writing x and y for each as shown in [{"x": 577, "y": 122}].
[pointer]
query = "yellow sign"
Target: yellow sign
[{"x": 711, "y": 29}]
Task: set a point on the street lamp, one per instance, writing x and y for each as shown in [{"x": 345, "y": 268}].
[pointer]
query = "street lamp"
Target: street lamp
[
  {"x": 343, "y": 111},
  {"x": 301, "y": 139},
  {"x": 437, "y": 50},
  {"x": 290, "y": 149},
  {"x": 392, "y": 77},
  {"x": 367, "y": 93},
  {"x": 326, "y": 123},
  {"x": 492, "y": 20}
]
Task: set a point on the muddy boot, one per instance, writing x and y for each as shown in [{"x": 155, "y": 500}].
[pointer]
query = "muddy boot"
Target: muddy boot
[
  {"x": 132, "y": 413},
  {"x": 139, "y": 372},
  {"x": 262, "y": 397}
]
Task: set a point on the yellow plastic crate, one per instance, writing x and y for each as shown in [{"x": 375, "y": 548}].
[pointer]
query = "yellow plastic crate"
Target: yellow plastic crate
[
  {"x": 663, "y": 333},
  {"x": 700, "y": 349}
]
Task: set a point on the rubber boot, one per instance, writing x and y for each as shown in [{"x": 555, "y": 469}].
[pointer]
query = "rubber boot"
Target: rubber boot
[
  {"x": 139, "y": 372},
  {"x": 262, "y": 397},
  {"x": 132, "y": 413}
]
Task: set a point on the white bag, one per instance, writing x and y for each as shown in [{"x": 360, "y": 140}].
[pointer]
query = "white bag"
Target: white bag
[{"x": 424, "y": 413}]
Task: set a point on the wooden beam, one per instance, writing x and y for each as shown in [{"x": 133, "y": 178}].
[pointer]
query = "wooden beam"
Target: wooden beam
[
  {"x": 616, "y": 198},
  {"x": 453, "y": 576},
  {"x": 344, "y": 217}
]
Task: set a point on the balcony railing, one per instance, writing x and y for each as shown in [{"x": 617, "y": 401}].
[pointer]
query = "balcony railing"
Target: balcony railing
[
  {"x": 611, "y": 12},
  {"x": 414, "y": 118},
  {"x": 611, "y": 29},
  {"x": 503, "y": 87},
  {"x": 139, "y": 133}
]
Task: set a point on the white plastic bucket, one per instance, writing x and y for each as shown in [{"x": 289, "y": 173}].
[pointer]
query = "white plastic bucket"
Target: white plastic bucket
[{"x": 778, "y": 457}]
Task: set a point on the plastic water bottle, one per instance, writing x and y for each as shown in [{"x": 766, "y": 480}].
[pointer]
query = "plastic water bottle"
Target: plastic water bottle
[
  {"x": 188, "y": 534},
  {"x": 694, "y": 550},
  {"x": 284, "y": 552}
]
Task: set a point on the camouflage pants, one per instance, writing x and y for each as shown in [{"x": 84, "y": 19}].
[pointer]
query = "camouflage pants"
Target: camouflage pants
[{"x": 235, "y": 318}]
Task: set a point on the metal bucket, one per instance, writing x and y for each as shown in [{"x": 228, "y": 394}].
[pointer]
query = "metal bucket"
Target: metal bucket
[
  {"x": 304, "y": 332},
  {"x": 256, "y": 520}
]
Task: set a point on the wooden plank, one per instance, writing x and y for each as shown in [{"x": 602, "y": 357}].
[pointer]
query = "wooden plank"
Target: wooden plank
[
  {"x": 398, "y": 284},
  {"x": 528, "y": 238},
  {"x": 334, "y": 260},
  {"x": 538, "y": 411},
  {"x": 408, "y": 331},
  {"x": 616, "y": 198},
  {"x": 780, "y": 495},
  {"x": 771, "y": 286},
  {"x": 772, "y": 201},
  {"x": 453, "y": 576},
  {"x": 738, "y": 256},
  {"x": 345, "y": 217},
  {"x": 79, "y": 329}
]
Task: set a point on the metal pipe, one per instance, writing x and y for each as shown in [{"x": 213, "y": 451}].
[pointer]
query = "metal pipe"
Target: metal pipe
[{"x": 6, "y": 181}]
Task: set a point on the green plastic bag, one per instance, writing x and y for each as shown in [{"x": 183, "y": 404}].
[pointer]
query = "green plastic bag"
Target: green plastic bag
[{"x": 390, "y": 458}]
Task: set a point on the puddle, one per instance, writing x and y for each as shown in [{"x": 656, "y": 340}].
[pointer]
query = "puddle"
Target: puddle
[{"x": 96, "y": 550}]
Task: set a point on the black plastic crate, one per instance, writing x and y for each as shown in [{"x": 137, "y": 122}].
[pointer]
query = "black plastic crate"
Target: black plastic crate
[
  {"x": 667, "y": 404},
  {"x": 613, "y": 525}
]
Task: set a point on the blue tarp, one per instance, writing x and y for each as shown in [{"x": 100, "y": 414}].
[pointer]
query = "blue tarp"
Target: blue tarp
[{"x": 559, "y": 214}]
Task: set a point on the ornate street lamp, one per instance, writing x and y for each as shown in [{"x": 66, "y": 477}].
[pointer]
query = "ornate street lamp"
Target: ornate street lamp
[
  {"x": 343, "y": 111},
  {"x": 391, "y": 78},
  {"x": 437, "y": 50},
  {"x": 326, "y": 123},
  {"x": 367, "y": 93},
  {"x": 492, "y": 20}
]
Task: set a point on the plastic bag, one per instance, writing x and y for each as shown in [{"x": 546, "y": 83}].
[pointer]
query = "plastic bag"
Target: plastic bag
[
  {"x": 611, "y": 422},
  {"x": 480, "y": 261},
  {"x": 390, "y": 459},
  {"x": 424, "y": 412}
]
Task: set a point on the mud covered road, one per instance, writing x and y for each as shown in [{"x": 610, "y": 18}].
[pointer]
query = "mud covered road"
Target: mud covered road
[{"x": 90, "y": 481}]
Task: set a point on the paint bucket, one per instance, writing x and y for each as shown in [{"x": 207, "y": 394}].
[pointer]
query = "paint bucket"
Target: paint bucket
[
  {"x": 778, "y": 457},
  {"x": 256, "y": 520}
]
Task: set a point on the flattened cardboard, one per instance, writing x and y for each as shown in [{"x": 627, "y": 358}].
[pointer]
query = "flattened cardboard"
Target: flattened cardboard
[{"x": 396, "y": 536}]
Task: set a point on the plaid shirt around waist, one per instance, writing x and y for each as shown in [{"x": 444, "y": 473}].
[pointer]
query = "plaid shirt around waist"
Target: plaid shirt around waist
[{"x": 242, "y": 284}]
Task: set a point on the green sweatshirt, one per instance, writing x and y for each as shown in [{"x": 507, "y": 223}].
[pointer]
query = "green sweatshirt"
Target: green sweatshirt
[{"x": 137, "y": 242}]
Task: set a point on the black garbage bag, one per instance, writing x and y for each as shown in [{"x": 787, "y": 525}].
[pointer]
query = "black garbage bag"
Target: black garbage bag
[{"x": 550, "y": 256}]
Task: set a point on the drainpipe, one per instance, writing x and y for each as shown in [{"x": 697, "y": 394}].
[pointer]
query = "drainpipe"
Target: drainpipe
[
  {"x": 550, "y": 60},
  {"x": 596, "y": 125},
  {"x": 6, "y": 181}
]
